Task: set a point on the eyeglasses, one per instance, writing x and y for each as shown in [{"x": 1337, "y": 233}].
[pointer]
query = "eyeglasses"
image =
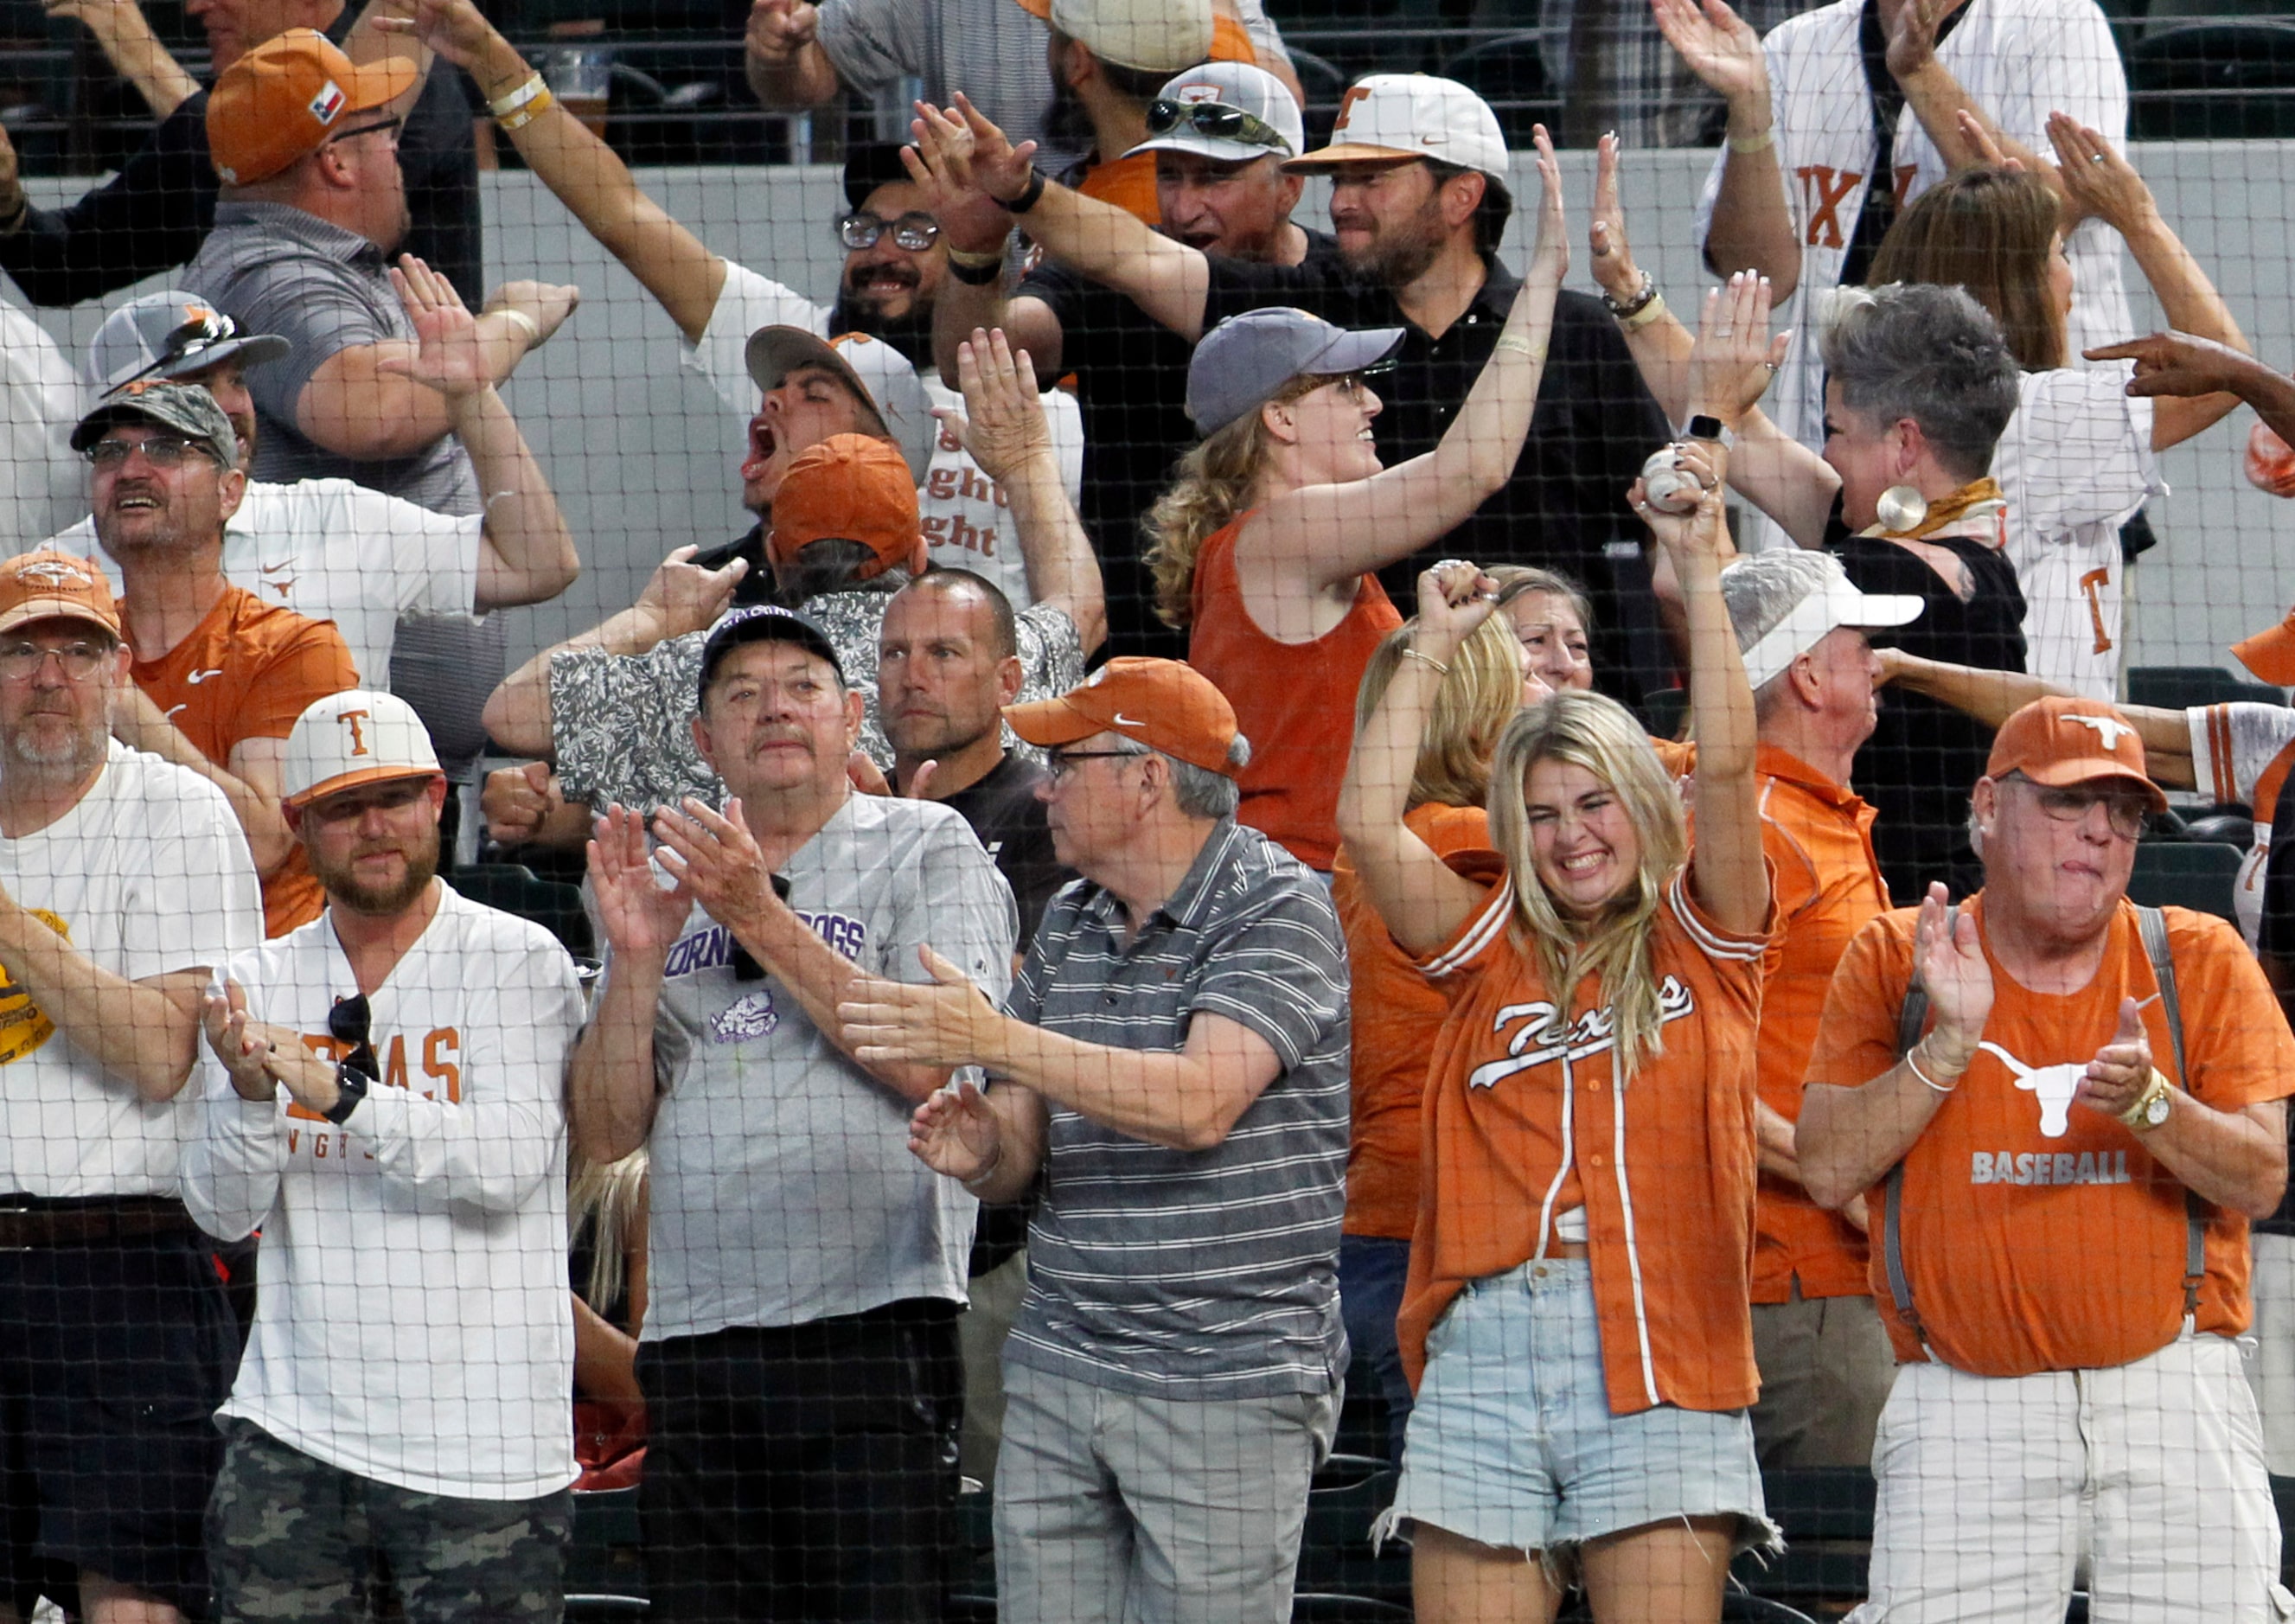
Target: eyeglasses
[
  {"x": 914, "y": 231},
  {"x": 351, "y": 1023},
  {"x": 1216, "y": 119},
  {"x": 393, "y": 125},
  {"x": 2124, "y": 808},
  {"x": 77, "y": 661},
  {"x": 1059, "y": 763},
  {"x": 160, "y": 450}
]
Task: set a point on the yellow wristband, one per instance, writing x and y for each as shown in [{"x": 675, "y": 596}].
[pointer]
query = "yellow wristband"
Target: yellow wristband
[
  {"x": 1761, "y": 142},
  {"x": 523, "y": 105},
  {"x": 1647, "y": 314}
]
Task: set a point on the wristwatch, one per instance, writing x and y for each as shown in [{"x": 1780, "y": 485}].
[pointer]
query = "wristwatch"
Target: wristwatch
[
  {"x": 350, "y": 1088},
  {"x": 2152, "y": 1105}
]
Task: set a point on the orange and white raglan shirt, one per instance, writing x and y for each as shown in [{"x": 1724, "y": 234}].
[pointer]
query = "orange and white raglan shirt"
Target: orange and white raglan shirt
[
  {"x": 1525, "y": 1117},
  {"x": 2241, "y": 753},
  {"x": 1818, "y": 836},
  {"x": 2038, "y": 1235}
]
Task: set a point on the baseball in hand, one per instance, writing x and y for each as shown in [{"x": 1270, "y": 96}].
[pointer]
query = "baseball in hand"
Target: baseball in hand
[{"x": 1667, "y": 485}]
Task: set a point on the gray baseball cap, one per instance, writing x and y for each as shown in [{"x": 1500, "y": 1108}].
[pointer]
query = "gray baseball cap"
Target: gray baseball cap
[
  {"x": 883, "y": 378},
  {"x": 186, "y": 408},
  {"x": 1243, "y": 361},
  {"x": 169, "y": 335},
  {"x": 1224, "y": 111}
]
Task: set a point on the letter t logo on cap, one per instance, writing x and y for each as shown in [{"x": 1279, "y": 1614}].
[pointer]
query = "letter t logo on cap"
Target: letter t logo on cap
[{"x": 351, "y": 720}]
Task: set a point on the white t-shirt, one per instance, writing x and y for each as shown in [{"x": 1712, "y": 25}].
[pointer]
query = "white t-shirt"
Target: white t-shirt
[
  {"x": 43, "y": 482},
  {"x": 2241, "y": 753},
  {"x": 2019, "y": 60},
  {"x": 148, "y": 874},
  {"x": 966, "y": 524},
  {"x": 413, "y": 1321},
  {"x": 2074, "y": 463},
  {"x": 330, "y": 550}
]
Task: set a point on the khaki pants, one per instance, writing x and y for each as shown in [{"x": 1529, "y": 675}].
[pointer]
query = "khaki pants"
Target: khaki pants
[{"x": 1826, "y": 1368}]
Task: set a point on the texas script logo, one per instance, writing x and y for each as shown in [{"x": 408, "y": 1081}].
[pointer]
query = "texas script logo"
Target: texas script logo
[{"x": 1588, "y": 1035}]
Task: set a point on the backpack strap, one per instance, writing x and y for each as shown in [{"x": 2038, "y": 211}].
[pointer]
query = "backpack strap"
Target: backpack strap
[
  {"x": 1912, "y": 1016},
  {"x": 2152, "y": 926}
]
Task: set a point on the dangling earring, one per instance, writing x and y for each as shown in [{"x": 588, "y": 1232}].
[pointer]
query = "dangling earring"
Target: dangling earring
[{"x": 1901, "y": 510}]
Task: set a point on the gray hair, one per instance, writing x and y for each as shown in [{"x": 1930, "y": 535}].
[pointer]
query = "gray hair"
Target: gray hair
[
  {"x": 1762, "y": 589},
  {"x": 832, "y": 565},
  {"x": 1198, "y": 792},
  {"x": 1930, "y": 353}
]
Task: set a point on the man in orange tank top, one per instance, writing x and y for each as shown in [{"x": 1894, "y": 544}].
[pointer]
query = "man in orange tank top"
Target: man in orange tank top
[
  {"x": 1825, "y": 1361},
  {"x": 2064, "y": 1165},
  {"x": 220, "y": 676}
]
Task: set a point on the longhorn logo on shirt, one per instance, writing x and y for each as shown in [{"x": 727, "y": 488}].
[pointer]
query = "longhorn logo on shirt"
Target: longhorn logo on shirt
[
  {"x": 1591, "y": 1034},
  {"x": 24, "y": 1026},
  {"x": 2054, "y": 1085}
]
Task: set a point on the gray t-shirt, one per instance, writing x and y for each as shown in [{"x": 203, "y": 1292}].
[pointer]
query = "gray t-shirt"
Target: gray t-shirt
[
  {"x": 622, "y": 724},
  {"x": 1205, "y": 1274},
  {"x": 783, "y": 1188},
  {"x": 276, "y": 269}
]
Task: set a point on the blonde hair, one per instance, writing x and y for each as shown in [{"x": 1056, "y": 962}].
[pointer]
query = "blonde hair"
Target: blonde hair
[
  {"x": 1598, "y": 734},
  {"x": 1213, "y": 485},
  {"x": 613, "y": 1193},
  {"x": 1472, "y": 708}
]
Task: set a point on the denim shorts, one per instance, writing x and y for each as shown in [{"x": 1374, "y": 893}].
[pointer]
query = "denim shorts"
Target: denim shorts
[{"x": 1511, "y": 1442}]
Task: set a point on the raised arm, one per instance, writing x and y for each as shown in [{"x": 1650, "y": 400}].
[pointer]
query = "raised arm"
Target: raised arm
[
  {"x": 1725, "y": 866},
  {"x": 977, "y": 231},
  {"x": 1422, "y": 899},
  {"x": 1992, "y": 696},
  {"x": 1003, "y": 430},
  {"x": 783, "y": 56},
  {"x": 1963, "y": 133},
  {"x": 2178, "y": 365},
  {"x": 679, "y": 597},
  {"x": 2101, "y": 181},
  {"x": 125, "y": 35},
  {"x": 583, "y": 172},
  {"x": 1321, "y": 536},
  {"x": 1752, "y": 221},
  {"x": 963, "y": 152},
  {"x": 611, "y": 1095}
]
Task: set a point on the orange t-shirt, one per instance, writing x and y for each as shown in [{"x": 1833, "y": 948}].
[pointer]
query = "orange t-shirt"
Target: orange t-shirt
[
  {"x": 1666, "y": 1166},
  {"x": 1397, "y": 1015},
  {"x": 248, "y": 670},
  {"x": 1295, "y": 702},
  {"x": 2030, "y": 1250},
  {"x": 1818, "y": 837}
]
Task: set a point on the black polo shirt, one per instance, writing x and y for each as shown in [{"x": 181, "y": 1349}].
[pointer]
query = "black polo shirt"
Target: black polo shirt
[
  {"x": 1595, "y": 425},
  {"x": 1131, "y": 383}
]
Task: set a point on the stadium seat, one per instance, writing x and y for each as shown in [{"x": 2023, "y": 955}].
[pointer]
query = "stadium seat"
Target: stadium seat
[
  {"x": 602, "y": 1609},
  {"x": 1314, "y": 1607},
  {"x": 1825, "y": 1513},
  {"x": 1325, "y": 82},
  {"x": 1334, "y": 1551},
  {"x": 2180, "y": 687},
  {"x": 2195, "y": 874},
  {"x": 2213, "y": 81},
  {"x": 513, "y": 888},
  {"x": 1509, "y": 73}
]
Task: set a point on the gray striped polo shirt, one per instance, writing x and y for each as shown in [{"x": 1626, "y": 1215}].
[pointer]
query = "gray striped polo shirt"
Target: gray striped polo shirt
[{"x": 1196, "y": 1274}]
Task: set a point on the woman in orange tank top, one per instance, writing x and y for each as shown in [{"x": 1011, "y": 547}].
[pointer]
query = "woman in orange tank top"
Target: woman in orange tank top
[
  {"x": 1578, "y": 1279},
  {"x": 1263, "y": 549}
]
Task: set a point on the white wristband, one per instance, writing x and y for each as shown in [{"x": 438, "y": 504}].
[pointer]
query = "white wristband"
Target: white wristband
[{"x": 520, "y": 319}]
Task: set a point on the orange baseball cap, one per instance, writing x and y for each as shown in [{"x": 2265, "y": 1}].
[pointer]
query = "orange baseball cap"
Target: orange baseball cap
[
  {"x": 2270, "y": 654},
  {"x": 1166, "y": 704},
  {"x": 851, "y": 487},
  {"x": 283, "y": 99},
  {"x": 51, "y": 585},
  {"x": 2060, "y": 742}
]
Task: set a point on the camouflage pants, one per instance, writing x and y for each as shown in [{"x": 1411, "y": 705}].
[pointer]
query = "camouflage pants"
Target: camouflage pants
[{"x": 292, "y": 1538}]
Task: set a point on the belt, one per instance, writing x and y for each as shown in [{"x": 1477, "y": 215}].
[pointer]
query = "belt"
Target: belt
[{"x": 29, "y": 1222}]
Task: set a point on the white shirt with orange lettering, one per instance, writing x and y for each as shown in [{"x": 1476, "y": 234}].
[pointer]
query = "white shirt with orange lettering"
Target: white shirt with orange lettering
[
  {"x": 2241, "y": 753},
  {"x": 2037, "y": 1234},
  {"x": 412, "y": 1322},
  {"x": 2019, "y": 60}
]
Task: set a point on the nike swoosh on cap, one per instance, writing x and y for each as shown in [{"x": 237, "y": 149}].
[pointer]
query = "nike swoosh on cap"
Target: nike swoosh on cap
[{"x": 1123, "y": 721}]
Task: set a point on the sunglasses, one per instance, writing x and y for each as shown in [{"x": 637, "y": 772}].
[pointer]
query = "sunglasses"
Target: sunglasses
[
  {"x": 351, "y": 1023},
  {"x": 915, "y": 231},
  {"x": 393, "y": 125},
  {"x": 1215, "y": 119}
]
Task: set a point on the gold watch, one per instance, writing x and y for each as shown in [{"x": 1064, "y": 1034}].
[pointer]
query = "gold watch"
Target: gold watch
[{"x": 2151, "y": 1106}]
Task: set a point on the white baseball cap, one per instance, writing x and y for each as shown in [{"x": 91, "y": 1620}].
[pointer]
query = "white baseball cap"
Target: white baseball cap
[
  {"x": 880, "y": 375},
  {"x": 1205, "y": 101},
  {"x": 1154, "y": 36},
  {"x": 351, "y": 739},
  {"x": 1394, "y": 118},
  {"x": 1832, "y": 601}
]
